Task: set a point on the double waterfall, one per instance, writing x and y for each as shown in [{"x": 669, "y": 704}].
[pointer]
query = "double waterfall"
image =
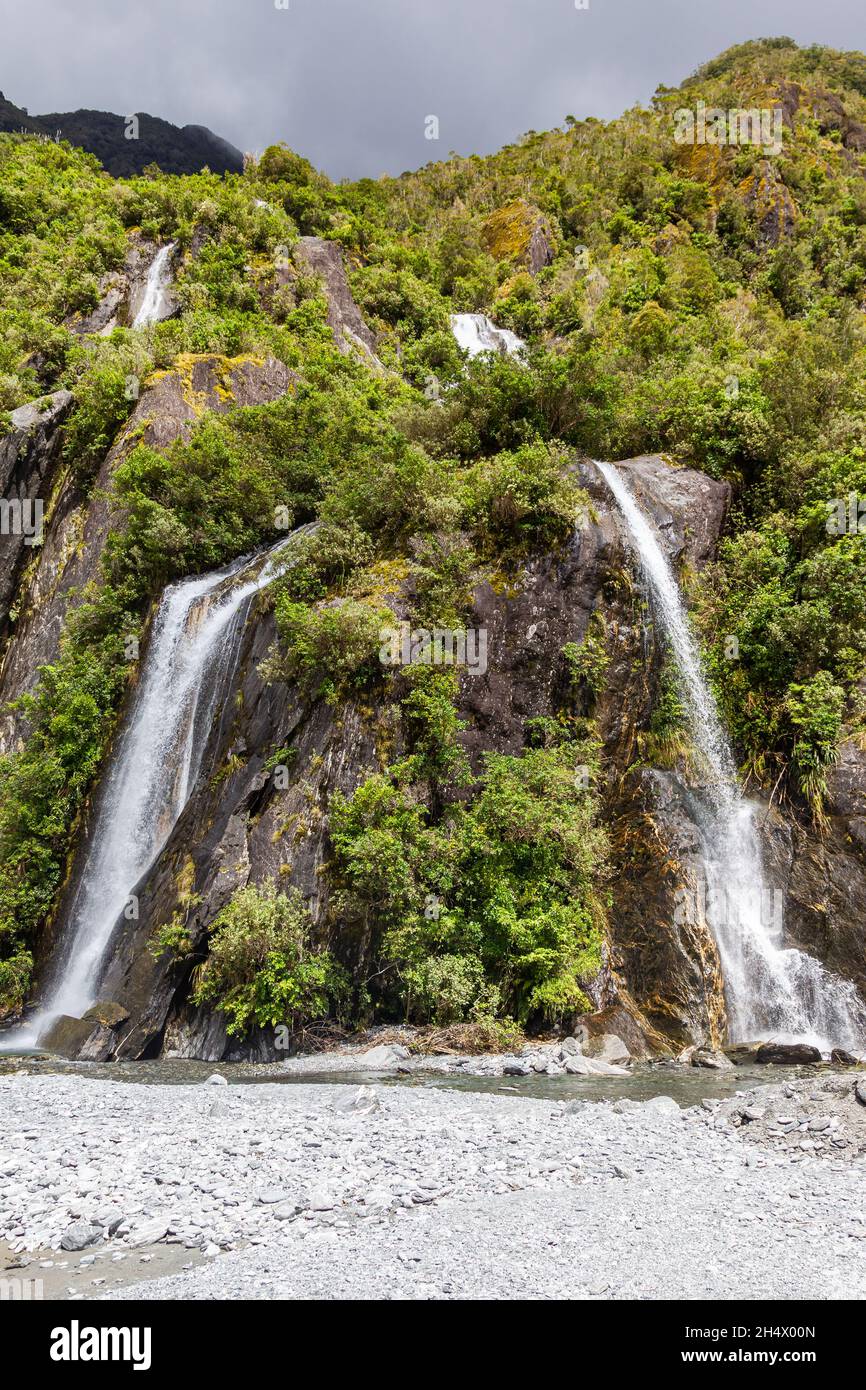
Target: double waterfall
[
  {"x": 772, "y": 990},
  {"x": 186, "y": 677}
]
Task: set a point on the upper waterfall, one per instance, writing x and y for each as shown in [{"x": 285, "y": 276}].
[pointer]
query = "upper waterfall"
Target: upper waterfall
[
  {"x": 772, "y": 990},
  {"x": 152, "y": 306},
  {"x": 476, "y": 333},
  {"x": 186, "y": 673}
]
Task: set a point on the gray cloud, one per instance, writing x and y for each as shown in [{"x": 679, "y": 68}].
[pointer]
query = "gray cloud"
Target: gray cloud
[{"x": 348, "y": 83}]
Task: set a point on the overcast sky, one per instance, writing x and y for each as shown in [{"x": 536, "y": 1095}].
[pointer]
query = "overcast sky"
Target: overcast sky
[{"x": 349, "y": 83}]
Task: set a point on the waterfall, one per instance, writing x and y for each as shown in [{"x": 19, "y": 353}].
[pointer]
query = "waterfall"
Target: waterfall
[
  {"x": 186, "y": 676},
  {"x": 475, "y": 333},
  {"x": 152, "y": 306},
  {"x": 771, "y": 990}
]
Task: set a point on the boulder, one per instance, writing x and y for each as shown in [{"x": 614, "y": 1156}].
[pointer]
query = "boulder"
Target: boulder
[
  {"x": 662, "y": 1105},
  {"x": 602, "y": 1068},
  {"x": 741, "y": 1054},
  {"x": 606, "y": 1047},
  {"x": 712, "y": 1061},
  {"x": 843, "y": 1058},
  {"x": 787, "y": 1054},
  {"x": 575, "y": 1065},
  {"x": 363, "y": 1100},
  {"x": 108, "y": 1013},
  {"x": 78, "y": 1039},
  {"x": 79, "y": 1235},
  {"x": 386, "y": 1055}
]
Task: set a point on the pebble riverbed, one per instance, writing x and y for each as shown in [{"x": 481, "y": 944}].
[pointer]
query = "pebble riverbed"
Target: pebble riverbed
[{"x": 414, "y": 1192}]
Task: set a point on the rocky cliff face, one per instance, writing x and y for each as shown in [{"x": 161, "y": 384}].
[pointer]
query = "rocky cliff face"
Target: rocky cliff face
[
  {"x": 78, "y": 524},
  {"x": 28, "y": 457},
  {"x": 247, "y": 822}
]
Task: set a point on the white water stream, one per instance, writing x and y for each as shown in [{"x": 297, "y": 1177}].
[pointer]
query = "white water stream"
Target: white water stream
[
  {"x": 772, "y": 990},
  {"x": 476, "y": 333},
  {"x": 152, "y": 306},
  {"x": 186, "y": 676}
]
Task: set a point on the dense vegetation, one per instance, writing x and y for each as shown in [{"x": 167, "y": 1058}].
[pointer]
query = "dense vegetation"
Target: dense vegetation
[{"x": 702, "y": 300}]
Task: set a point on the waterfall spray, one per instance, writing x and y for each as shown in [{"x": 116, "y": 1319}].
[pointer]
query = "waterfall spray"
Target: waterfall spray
[{"x": 771, "y": 991}]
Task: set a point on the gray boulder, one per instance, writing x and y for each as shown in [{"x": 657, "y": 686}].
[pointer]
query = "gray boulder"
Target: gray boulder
[
  {"x": 607, "y": 1047},
  {"x": 80, "y": 1235}
]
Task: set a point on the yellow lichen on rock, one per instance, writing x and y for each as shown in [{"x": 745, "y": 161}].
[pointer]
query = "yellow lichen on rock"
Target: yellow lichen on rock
[{"x": 518, "y": 232}]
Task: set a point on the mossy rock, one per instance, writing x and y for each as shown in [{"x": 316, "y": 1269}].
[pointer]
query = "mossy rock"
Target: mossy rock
[{"x": 521, "y": 233}]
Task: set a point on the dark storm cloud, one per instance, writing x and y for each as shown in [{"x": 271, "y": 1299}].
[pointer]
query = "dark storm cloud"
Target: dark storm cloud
[{"x": 349, "y": 83}]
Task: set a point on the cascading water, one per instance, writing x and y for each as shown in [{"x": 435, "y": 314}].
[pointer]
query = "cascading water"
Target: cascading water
[
  {"x": 152, "y": 307},
  {"x": 187, "y": 673},
  {"x": 476, "y": 333},
  {"x": 772, "y": 991}
]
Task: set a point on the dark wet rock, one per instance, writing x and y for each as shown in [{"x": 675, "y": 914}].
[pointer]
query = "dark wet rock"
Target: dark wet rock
[
  {"x": 787, "y": 1054},
  {"x": 741, "y": 1054},
  {"x": 351, "y": 330},
  {"x": 257, "y": 831},
  {"x": 860, "y": 1091},
  {"x": 108, "y": 1013},
  {"x": 29, "y": 455},
  {"x": 80, "y": 1038},
  {"x": 843, "y": 1058}
]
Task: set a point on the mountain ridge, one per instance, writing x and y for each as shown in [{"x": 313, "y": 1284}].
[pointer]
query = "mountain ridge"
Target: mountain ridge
[{"x": 176, "y": 149}]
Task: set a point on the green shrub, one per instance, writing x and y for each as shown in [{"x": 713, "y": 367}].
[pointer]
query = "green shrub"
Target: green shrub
[{"x": 262, "y": 970}]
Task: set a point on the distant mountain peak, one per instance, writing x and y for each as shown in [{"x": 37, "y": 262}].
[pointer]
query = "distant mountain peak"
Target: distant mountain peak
[{"x": 176, "y": 149}]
